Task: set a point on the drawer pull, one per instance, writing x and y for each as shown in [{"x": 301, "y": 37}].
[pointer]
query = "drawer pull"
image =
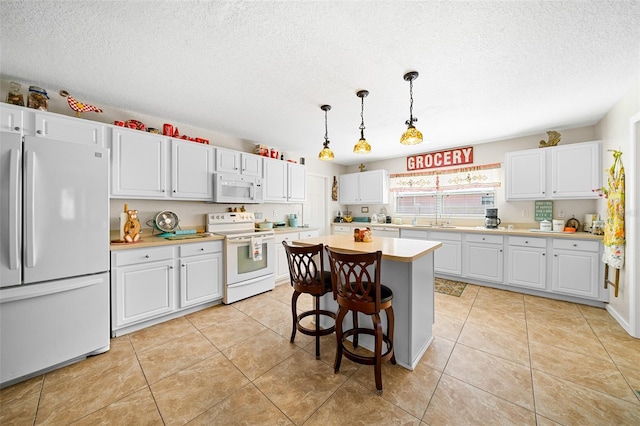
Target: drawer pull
[
  {"x": 39, "y": 132},
  {"x": 526, "y": 242},
  {"x": 483, "y": 238},
  {"x": 575, "y": 245},
  {"x": 16, "y": 128},
  {"x": 201, "y": 248},
  {"x": 544, "y": 254},
  {"x": 146, "y": 256}
]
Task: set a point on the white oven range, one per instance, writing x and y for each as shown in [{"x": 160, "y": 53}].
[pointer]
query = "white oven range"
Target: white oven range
[{"x": 247, "y": 271}]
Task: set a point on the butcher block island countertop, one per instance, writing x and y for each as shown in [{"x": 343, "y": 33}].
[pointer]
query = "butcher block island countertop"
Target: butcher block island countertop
[
  {"x": 407, "y": 269},
  {"x": 400, "y": 250}
]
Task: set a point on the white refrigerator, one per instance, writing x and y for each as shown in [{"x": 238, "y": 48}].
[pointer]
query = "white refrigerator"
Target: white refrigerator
[{"x": 54, "y": 254}]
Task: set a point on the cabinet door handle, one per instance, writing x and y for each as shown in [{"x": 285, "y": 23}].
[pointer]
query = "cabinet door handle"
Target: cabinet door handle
[
  {"x": 163, "y": 190},
  {"x": 146, "y": 256},
  {"x": 16, "y": 128},
  {"x": 174, "y": 191},
  {"x": 170, "y": 267},
  {"x": 544, "y": 254},
  {"x": 39, "y": 132},
  {"x": 183, "y": 265},
  {"x": 555, "y": 255},
  {"x": 500, "y": 250}
]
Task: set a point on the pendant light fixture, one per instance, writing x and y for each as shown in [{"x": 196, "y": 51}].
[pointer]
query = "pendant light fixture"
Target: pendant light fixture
[
  {"x": 362, "y": 147},
  {"x": 326, "y": 154},
  {"x": 412, "y": 136}
]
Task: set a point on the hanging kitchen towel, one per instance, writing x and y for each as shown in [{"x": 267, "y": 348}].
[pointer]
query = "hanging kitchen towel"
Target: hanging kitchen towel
[
  {"x": 256, "y": 248},
  {"x": 614, "y": 224}
]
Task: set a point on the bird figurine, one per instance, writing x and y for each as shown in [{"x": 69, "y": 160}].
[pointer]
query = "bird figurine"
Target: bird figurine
[
  {"x": 554, "y": 138},
  {"x": 78, "y": 107}
]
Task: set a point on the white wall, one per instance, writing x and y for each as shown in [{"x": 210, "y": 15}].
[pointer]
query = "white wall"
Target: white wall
[
  {"x": 615, "y": 130},
  {"x": 494, "y": 152}
]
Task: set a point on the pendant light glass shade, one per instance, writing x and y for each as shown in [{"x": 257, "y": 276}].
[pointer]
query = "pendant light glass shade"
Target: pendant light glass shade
[
  {"x": 325, "y": 154},
  {"x": 412, "y": 136},
  {"x": 362, "y": 147}
]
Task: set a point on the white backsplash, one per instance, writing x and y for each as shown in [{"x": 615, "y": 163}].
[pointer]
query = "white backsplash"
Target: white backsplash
[{"x": 192, "y": 213}]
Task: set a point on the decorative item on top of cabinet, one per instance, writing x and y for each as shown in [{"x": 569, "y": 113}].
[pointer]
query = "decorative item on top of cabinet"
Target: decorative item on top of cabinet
[
  {"x": 362, "y": 167},
  {"x": 14, "y": 96},
  {"x": 78, "y": 107},
  {"x": 554, "y": 139}
]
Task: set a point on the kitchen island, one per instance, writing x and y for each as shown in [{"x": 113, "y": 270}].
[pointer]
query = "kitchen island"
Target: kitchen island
[{"x": 407, "y": 269}]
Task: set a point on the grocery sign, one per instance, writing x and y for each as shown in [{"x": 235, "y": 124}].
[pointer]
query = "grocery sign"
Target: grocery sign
[{"x": 449, "y": 157}]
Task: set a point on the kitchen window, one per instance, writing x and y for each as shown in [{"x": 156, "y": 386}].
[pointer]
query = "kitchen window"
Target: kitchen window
[
  {"x": 450, "y": 203},
  {"x": 454, "y": 193}
]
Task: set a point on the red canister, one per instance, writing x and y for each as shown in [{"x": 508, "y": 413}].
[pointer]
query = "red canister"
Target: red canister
[{"x": 167, "y": 129}]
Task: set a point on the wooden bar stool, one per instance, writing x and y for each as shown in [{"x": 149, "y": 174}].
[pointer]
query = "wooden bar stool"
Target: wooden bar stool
[
  {"x": 306, "y": 270},
  {"x": 357, "y": 288}
]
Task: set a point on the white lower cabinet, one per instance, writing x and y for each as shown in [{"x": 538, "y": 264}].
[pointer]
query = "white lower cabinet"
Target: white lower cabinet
[
  {"x": 142, "y": 285},
  {"x": 448, "y": 258},
  {"x": 201, "y": 268},
  {"x": 527, "y": 262},
  {"x": 483, "y": 257},
  {"x": 341, "y": 229},
  {"x": 282, "y": 266},
  {"x": 145, "y": 284},
  {"x": 576, "y": 268}
]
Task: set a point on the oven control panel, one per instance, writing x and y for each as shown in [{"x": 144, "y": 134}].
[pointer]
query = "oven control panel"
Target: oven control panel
[{"x": 230, "y": 217}]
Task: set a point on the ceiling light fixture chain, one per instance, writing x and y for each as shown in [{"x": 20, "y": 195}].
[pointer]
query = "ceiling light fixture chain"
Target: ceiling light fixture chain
[{"x": 411, "y": 119}]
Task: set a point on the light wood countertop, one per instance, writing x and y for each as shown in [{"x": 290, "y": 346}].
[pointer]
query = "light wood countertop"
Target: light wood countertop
[
  {"x": 148, "y": 240},
  {"x": 479, "y": 230},
  {"x": 401, "y": 250}
]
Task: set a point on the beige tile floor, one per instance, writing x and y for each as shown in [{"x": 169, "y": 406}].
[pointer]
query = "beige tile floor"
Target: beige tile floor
[{"x": 498, "y": 358}]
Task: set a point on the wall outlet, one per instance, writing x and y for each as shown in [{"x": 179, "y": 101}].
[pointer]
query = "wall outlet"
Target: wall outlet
[
  {"x": 275, "y": 213},
  {"x": 561, "y": 214},
  {"x": 524, "y": 213}
]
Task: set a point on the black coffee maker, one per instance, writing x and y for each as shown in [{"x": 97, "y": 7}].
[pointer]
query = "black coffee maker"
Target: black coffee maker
[{"x": 491, "y": 219}]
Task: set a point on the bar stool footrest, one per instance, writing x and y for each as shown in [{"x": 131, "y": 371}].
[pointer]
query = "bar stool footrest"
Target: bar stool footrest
[
  {"x": 363, "y": 359},
  {"x": 313, "y": 332}
]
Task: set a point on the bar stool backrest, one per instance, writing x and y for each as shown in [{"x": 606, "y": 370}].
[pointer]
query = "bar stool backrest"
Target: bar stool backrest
[
  {"x": 355, "y": 280},
  {"x": 306, "y": 265}
]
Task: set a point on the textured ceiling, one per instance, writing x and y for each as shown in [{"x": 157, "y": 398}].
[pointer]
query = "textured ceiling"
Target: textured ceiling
[{"x": 260, "y": 70}]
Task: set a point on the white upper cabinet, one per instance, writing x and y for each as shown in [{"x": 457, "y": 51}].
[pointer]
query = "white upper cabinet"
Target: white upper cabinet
[
  {"x": 13, "y": 119},
  {"x": 61, "y": 127},
  {"x": 230, "y": 161},
  {"x": 284, "y": 182},
  {"x": 576, "y": 170},
  {"x": 526, "y": 174},
  {"x": 191, "y": 170},
  {"x": 297, "y": 182},
  {"x": 138, "y": 164},
  {"x": 148, "y": 165},
  {"x": 364, "y": 188},
  {"x": 560, "y": 172}
]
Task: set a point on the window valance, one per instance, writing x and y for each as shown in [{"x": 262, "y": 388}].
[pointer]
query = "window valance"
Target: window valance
[{"x": 483, "y": 176}]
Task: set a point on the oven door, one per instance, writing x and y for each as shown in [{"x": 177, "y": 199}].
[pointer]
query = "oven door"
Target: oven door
[{"x": 240, "y": 264}]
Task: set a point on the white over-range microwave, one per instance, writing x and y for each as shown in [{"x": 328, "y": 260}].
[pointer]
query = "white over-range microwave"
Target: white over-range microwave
[{"x": 236, "y": 188}]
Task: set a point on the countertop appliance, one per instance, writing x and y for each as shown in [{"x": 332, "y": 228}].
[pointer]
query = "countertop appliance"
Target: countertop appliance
[
  {"x": 236, "y": 188},
  {"x": 54, "y": 254},
  {"x": 250, "y": 255},
  {"x": 491, "y": 219}
]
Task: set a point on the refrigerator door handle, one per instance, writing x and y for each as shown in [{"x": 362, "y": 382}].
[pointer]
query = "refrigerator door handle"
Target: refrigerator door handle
[
  {"x": 29, "y": 196},
  {"x": 14, "y": 209}
]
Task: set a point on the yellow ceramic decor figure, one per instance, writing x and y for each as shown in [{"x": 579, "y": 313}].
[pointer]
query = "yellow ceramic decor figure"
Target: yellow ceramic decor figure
[{"x": 614, "y": 225}]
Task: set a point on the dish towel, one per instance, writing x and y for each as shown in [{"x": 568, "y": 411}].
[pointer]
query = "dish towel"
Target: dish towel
[
  {"x": 614, "y": 225},
  {"x": 256, "y": 248}
]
